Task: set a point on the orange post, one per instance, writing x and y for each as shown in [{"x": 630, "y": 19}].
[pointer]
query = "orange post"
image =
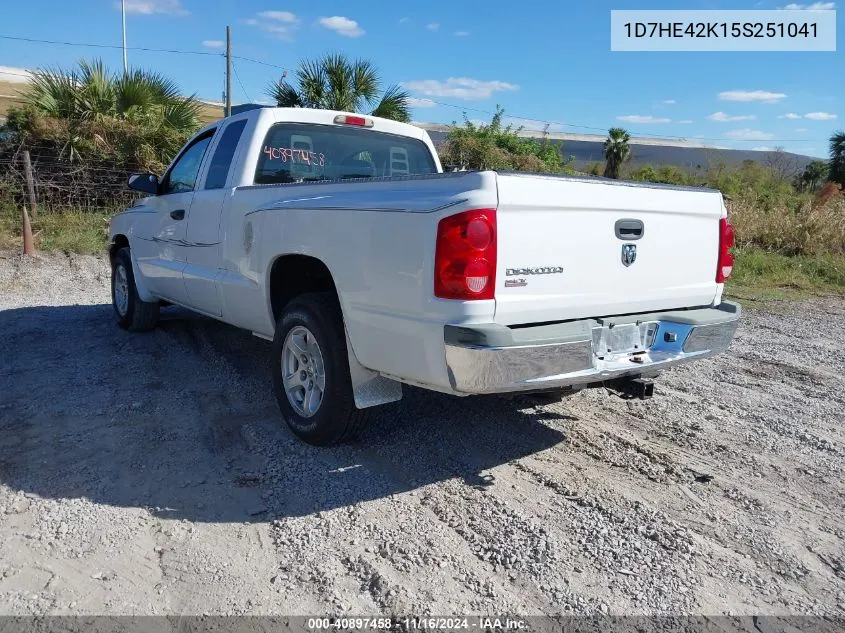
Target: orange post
[{"x": 28, "y": 242}]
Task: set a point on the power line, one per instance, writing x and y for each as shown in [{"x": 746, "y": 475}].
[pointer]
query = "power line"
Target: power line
[
  {"x": 91, "y": 45},
  {"x": 240, "y": 83},
  {"x": 137, "y": 48},
  {"x": 440, "y": 103},
  {"x": 258, "y": 61},
  {"x": 641, "y": 134}
]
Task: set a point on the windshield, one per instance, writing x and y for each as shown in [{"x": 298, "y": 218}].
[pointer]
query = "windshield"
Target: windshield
[{"x": 296, "y": 152}]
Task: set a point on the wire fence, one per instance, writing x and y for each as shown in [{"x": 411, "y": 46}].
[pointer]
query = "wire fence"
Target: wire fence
[{"x": 64, "y": 185}]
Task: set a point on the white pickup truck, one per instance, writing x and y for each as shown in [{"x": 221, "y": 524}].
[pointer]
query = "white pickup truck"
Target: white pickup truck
[{"x": 338, "y": 237}]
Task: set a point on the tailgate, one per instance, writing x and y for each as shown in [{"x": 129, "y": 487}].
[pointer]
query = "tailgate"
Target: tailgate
[{"x": 569, "y": 248}]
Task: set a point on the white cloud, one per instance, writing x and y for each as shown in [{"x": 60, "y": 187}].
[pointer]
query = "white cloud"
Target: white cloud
[
  {"x": 342, "y": 26},
  {"x": 816, "y": 6},
  {"x": 752, "y": 95},
  {"x": 812, "y": 116},
  {"x": 281, "y": 16},
  {"x": 459, "y": 88},
  {"x": 668, "y": 102},
  {"x": 432, "y": 26},
  {"x": 461, "y": 33},
  {"x": 213, "y": 43},
  {"x": 750, "y": 135},
  {"x": 721, "y": 117},
  {"x": 15, "y": 75},
  {"x": 800, "y": 129},
  {"x": 151, "y": 7},
  {"x": 685, "y": 121},
  {"x": 404, "y": 20},
  {"x": 640, "y": 118},
  {"x": 820, "y": 116},
  {"x": 762, "y": 148},
  {"x": 279, "y": 24},
  {"x": 531, "y": 125},
  {"x": 418, "y": 102}
]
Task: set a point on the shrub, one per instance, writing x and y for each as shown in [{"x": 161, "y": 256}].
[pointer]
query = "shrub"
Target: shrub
[
  {"x": 86, "y": 129},
  {"x": 493, "y": 146}
]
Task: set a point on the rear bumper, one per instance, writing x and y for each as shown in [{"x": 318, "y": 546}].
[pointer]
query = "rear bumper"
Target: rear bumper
[{"x": 496, "y": 359}]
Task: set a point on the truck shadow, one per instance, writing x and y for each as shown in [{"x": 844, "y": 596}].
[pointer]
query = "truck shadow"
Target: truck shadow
[{"x": 182, "y": 421}]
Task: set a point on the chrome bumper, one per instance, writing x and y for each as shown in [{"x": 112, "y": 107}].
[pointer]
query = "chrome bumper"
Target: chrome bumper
[{"x": 497, "y": 359}]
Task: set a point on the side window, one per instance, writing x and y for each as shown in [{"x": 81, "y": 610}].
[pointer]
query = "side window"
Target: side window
[
  {"x": 218, "y": 171},
  {"x": 183, "y": 175}
]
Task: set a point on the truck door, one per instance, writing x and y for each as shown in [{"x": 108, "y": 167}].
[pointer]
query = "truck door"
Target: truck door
[
  {"x": 204, "y": 233},
  {"x": 163, "y": 259}
]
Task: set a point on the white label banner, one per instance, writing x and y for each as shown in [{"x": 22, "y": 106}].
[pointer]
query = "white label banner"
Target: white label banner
[{"x": 782, "y": 30}]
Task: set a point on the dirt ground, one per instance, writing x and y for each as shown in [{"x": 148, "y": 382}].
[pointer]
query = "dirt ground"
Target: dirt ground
[{"x": 151, "y": 474}]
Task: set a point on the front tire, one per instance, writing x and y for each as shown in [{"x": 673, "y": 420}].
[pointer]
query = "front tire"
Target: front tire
[
  {"x": 133, "y": 314},
  {"x": 311, "y": 371}
]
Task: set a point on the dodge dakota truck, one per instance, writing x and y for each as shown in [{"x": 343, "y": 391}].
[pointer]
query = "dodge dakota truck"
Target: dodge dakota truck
[{"x": 339, "y": 238}]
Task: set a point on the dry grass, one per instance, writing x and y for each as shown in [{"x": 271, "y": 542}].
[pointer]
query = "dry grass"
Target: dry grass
[
  {"x": 71, "y": 231},
  {"x": 798, "y": 225},
  {"x": 9, "y": 96}
]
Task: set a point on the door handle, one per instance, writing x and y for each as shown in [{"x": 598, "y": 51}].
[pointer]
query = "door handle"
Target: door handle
[
  {"x": 178, "y": 214},
  {"x": 629, "y": 229}
]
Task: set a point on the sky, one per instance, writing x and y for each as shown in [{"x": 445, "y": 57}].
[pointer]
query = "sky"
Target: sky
[{"x": 541, "y": 60}]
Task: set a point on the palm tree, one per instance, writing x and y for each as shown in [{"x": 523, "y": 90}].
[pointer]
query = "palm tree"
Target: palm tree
[
  {"x": 89, "y": 101},
  {"x": 814, "y": 175},
  {"x": 837, "y": 158},
  {"x": 616, "y": 151},
  {"x": 333, "y": 82}
]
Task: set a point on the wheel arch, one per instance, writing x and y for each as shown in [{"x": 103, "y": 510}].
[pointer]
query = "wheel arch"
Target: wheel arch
[
  {"x": 118, "y": 241},
  {"x": 121, "y": 240},
  {"x": 290, "y": 275}
]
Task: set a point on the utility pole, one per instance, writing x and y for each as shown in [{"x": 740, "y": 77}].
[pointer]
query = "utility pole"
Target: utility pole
[
  {"x": 228, "y": 71},
  {"x": 123, "y": 15}
]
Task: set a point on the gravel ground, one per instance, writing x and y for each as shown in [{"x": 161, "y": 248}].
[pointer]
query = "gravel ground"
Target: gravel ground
[{"x": 151, "y": 474}]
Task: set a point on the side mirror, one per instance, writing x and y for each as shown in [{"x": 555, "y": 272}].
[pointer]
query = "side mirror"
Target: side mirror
[{"x": 146, "y": 183}]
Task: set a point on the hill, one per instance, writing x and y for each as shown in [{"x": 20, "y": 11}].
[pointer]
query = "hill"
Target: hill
[{"x": 687, "y": 154}]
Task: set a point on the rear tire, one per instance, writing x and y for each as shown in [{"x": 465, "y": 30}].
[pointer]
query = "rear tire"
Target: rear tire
[
  {"x": 311, "y": 371},
  {"x": 133, "y": 314}
]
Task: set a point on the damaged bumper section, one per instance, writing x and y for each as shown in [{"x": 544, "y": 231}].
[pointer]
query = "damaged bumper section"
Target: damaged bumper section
[{"x": 493, "y": 358}]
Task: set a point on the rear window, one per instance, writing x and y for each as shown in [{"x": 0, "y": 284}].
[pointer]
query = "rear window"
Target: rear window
[{"x": 297, "y": 152}]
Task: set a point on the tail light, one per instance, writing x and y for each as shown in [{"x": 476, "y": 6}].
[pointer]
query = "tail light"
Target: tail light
[
  {"x": 348, "y": 119},
  {"x": 725, "y": 265},
  {"x": 465, "y": 256}
]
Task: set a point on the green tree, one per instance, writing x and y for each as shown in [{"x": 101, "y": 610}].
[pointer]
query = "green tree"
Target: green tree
[
  {"x": 90, "y": 110},
  {"x": 813, "y": 175},
  {"x": 497, "y": 146},
  {"x": 837, "y": 158},
  {"x": 616, "y": 151},
  {"x": 334, "y": 82}
]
